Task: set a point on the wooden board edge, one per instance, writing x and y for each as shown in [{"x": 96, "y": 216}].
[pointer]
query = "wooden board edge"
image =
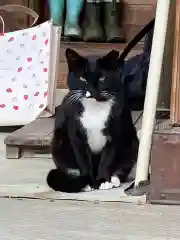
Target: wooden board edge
[{"x": 175, "y": 87}]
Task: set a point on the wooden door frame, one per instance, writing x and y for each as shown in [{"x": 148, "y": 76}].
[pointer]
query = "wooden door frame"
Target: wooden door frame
[{"x": 175, "y": 87}]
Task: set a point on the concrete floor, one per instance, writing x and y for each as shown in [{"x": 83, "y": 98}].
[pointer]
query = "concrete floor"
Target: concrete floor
[
  {"x": 52, "y": 219},
  {"x": 45, "y": 220}
]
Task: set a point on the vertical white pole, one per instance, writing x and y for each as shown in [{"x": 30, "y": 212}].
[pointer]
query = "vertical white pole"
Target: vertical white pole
[{"x": 152, "y": 89}]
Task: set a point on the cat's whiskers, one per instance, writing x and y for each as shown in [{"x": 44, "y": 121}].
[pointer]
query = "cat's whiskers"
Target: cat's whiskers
[
  {"x": 74, "y": 99},
  {"x": 71, "y": 98},
  {"x": 75, "y": 95},
  {"x": 109, "y": 95},
  {"x": 71, "y": 94}
]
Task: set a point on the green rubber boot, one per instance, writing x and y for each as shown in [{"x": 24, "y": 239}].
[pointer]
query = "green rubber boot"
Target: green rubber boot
[
  {"x": 114, "y": 32},
  {"x": 92, "y": 28},
  {"x": 73, "y": 10},
  {"x": 56, "y": 8}
]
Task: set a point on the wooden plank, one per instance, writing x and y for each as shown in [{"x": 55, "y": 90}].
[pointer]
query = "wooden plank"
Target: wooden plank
[
  {"x": 35, "y": 153},
  {"x": 132, "y": 31},
  {"x": 131, "y": 2},
  {"x": 140, "y": 2},
  {"x": 37, "y": 133},
  {"x": 165, "y": 171},
  {"x": 167, "y": 66},
  {"x": 13, "y": 152},
  {"x": 175, "y": 90},
  {"x": 89, "y": 49},
  {"x": 138, "y": 15}
]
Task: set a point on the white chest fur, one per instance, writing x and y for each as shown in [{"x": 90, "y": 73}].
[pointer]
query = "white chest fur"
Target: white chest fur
[{"x": 93, "y": 120}]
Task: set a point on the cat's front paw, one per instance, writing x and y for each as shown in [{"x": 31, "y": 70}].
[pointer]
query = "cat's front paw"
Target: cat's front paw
[
  {"x": 88, "y": 189},
  {"x": 114, "y": 183},
  {"x": 105, "y": 186}
]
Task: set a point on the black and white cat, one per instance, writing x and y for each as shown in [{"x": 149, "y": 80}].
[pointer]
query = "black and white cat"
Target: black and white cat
[{"x": 95, "y": 143}]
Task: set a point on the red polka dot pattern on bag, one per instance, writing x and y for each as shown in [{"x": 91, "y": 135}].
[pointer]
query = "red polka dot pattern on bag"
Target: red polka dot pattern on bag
[
  {"x": 2, "y": 105},
  {"x": 11, "y": 39},
  {"x": 46, "y": 42},
  {"x": 36, "y": 94},
  {"x": 19, "y": 69},
  {"x": 27, "y": 60},
  {"x": 45, "y": 94},
  {"x": 34, "y": 37},
  {"x": 16, "y": 107},
  {"x": 25, "y": 97},
  {"x": 9, "y": 90},
  {"x": 41, "y": 105}
]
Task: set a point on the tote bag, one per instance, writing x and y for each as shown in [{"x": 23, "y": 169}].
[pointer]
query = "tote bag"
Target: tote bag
[{"x": 29, "y": 60}]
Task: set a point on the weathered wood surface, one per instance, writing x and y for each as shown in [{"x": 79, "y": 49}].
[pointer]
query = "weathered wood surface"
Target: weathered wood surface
[
  {"x": 167, "y": 66},
  {"x": 37, "y": 133},
  {"x": 97, "y": 49},
  {"x": 36, "y": 136},
  {"x": 165, "y": 171},
  {"x": 175, "y": 89}
]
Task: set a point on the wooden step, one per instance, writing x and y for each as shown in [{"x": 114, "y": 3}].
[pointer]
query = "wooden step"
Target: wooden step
[
  {"x": 97, "y": 49},
  {"x": 36, "y": 135}
]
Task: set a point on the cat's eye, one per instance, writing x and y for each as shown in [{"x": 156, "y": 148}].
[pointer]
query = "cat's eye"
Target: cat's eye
[
  {"x": 82, "y": 79},
  {"x": 101, "y": 79}
]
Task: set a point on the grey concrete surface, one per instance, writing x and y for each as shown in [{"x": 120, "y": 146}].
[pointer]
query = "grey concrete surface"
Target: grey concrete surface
[{"x": 44, "y": 220}]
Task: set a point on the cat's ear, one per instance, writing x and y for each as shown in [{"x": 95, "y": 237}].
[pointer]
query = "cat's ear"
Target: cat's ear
[
  {"x": 109, "y": 61},
  {"x": 74, "y": 60}
]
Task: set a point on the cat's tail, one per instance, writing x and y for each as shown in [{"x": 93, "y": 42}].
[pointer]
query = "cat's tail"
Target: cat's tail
[{"x": 64, "y": 182}]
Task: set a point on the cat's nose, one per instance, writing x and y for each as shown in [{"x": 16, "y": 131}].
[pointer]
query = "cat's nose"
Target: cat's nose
[{"x": 88, "y": 94}]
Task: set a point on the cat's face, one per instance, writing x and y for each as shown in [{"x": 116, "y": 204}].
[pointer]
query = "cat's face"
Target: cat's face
[{"x": 100, "y": 79}]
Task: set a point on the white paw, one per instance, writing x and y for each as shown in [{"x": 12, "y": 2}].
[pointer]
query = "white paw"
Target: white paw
[
  {"x": 115, "y": 181},
  {"x": 105, "y": 186},
  {"x": 88, "y": 189}
]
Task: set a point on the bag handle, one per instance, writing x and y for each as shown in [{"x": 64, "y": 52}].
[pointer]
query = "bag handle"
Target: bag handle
[
  {"x": 135, "y": 40},
  {"x": 19, "y": 8}
]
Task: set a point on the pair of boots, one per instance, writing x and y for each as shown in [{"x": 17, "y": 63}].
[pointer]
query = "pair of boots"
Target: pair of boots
[
  {"x": 73, "y": 10},
  {"x": 94, "y": 30}
]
